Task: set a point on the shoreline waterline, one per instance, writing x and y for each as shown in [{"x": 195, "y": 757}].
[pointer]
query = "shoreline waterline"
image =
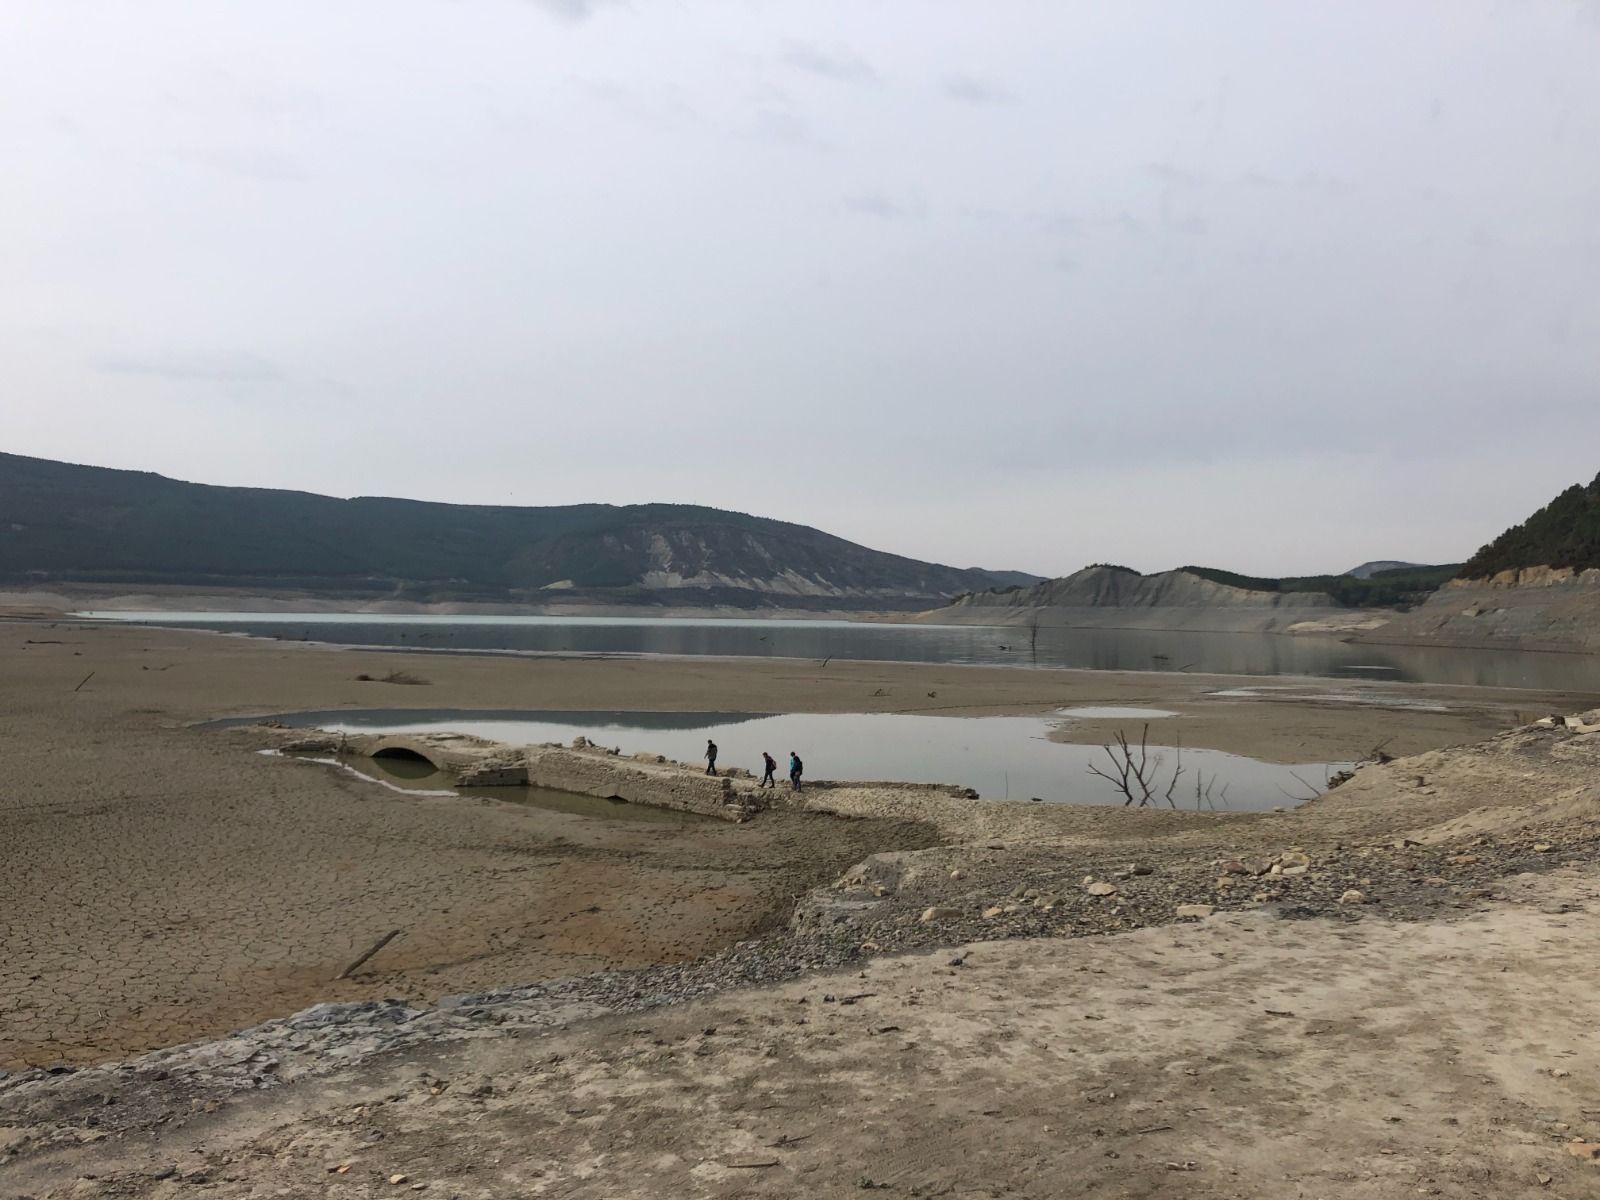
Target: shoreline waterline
[{"x": 778, "y": 640}]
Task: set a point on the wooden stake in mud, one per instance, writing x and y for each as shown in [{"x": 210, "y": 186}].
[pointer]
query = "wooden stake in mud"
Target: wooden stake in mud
[
  {"x": 84, "y": 680},
  {"x": 376, "y": 946}
]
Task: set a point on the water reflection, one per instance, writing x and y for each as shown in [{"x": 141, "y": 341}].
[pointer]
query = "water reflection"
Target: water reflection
[{"x": 1099, "y": 649}]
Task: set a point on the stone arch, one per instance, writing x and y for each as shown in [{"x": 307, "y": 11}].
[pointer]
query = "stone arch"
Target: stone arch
[{"x": 408, "y": 749}]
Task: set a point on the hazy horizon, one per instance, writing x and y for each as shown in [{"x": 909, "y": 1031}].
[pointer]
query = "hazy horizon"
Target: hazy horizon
[{"x": 1244, "y": 285}]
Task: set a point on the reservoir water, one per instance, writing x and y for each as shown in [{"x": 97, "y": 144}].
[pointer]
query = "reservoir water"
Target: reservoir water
[{"x": 1096, "y": 649}]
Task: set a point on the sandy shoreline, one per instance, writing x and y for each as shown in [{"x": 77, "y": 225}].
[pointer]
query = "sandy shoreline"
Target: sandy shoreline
[{"x": 165, "y": 883}]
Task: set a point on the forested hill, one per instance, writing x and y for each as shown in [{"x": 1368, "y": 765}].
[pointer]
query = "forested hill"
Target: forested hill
[
  {"x": 65, "y": 523},
  {"x": 1386, "y": 587},
  {"x": 1564, "y": 533}
]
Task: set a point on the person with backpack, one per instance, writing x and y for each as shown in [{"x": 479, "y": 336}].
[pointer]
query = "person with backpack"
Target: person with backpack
[
  {"x": 770, "y": 765},
  {"x": 711, "y": 757},
  {"x": 796, "y": 767}
]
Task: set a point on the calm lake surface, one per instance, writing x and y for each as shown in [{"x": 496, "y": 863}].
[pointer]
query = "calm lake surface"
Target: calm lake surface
[
  {"x": 1096, "y": 649},
  {"x": 999, "y": 757}
]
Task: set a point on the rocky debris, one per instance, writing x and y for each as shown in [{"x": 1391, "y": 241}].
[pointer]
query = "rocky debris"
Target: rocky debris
[
  {"x": 1194, "y": 911},
  {"x": 940, "y": 912},
  {"x": 821, "y": 910},
  {"x": 887, "y": 873},
  {"x": 1099, "y": 887}
]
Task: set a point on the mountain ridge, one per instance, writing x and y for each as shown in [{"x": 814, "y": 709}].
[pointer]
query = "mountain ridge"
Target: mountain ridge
[{"x": 72, "y": 523}]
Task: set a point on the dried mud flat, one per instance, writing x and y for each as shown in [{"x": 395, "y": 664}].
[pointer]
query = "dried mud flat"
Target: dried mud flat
[{"x": 1433, "y": 1036}]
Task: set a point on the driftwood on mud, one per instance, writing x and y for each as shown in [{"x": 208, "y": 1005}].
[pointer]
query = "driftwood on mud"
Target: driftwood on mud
[{"x": 376, "y": 946}]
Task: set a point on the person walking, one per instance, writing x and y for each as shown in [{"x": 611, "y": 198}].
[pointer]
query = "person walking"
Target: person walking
[
  {"x": 769, "y": 765},
  {"x": 796, "y": 767},
  {"x": 711, "y": 757}
]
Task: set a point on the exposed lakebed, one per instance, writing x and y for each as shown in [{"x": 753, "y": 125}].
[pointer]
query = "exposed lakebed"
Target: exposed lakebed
[{"x": 1000, "y": 757}]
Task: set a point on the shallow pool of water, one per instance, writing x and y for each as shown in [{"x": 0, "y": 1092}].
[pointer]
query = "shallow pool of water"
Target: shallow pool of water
[
  {"x": 1000, "y": 757},
  {"x": 1114, "y": 712}
]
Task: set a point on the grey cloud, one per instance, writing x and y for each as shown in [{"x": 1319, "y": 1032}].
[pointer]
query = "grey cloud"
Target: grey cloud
[
  {"x": 784, "y": 129},
  {"x": 243, "y": 161},
  {"x": 976, "y": 91},
  {"x": 1058, "y": 224},
  {"x": 1174, "y": 175},
  {"x": 209, "y": 91},
  {"x": 840, "y": 63},
  {"x": 876, "y": 204},
  {"x": 1306, "y": 181},
  {"x": 655, "y": 107},
  {"x": 574, "y": 11},
  {"x": 194, "y": 366}
]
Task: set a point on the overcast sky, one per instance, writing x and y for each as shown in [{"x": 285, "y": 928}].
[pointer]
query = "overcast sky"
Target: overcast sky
[{"x": 1272, "y": 286}]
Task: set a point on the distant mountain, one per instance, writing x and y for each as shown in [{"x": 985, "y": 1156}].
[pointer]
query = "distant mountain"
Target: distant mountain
[
  {"x": 1564, "y": 534},
  {"x": 61, "y": 523},
  {"x": 1104, "y": 585},
  {"x": 1368, "y": 569}
]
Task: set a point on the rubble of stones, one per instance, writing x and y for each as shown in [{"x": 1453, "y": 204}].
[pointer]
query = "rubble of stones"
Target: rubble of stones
[{"x": 1008, "y": 892}]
